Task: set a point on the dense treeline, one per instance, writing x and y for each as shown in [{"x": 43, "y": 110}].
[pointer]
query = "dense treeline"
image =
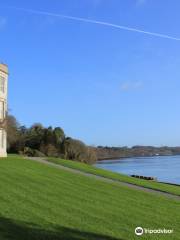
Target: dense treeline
[{"x": 40, "y": 141}]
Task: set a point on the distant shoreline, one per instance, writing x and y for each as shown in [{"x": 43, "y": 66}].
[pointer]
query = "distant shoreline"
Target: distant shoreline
[{"x": 121, "y": 158}]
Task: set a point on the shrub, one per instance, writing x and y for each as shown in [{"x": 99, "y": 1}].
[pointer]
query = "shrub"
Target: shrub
[{"x": 32, "y": 152}]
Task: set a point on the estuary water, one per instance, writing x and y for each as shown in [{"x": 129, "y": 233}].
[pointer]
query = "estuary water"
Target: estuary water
[{"x": 164, "y": 168}]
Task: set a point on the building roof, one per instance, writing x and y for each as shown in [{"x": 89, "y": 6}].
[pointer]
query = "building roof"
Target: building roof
[{"x": 4, "y": 68}]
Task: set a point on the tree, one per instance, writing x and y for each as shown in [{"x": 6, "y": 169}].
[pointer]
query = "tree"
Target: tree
[
  {"x": 59, "y": 136},
  {"x": 12, "y": 127},
  {"x": 35, "y": 136},
  {"x": 40, "y": 141},
  {"x": 78, "y": 151}
]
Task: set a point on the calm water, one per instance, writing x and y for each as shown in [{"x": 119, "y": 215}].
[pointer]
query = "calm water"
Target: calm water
[{"x": 166, "y": 169}]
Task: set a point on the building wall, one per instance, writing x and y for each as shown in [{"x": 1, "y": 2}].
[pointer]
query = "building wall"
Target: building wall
[{"x": 3, "y": 108}]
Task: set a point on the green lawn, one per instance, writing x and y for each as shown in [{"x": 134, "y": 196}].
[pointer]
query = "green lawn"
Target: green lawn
[
  {"x": 41, "y": 202},
  {"x": 116, "y": 176}
]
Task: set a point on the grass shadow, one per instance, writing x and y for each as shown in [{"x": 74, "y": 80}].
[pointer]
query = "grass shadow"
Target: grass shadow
[{"x": 17, "y": 230}]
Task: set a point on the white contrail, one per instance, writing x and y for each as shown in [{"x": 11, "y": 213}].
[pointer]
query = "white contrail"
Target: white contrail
[{"x": 98, "y": 22}]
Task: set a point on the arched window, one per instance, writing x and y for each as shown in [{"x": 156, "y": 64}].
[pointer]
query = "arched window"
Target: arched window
[
  {"x": 2, "y": 84},
  {"x": 2, "y": 138},
  {"x": 2, "y": 110}
]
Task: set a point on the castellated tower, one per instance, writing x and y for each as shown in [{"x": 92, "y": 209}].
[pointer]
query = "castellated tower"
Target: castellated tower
[{"x": 3, "y": 108}]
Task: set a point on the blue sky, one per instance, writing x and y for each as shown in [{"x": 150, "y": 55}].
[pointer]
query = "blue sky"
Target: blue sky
[{"x": 103, "y": 85}]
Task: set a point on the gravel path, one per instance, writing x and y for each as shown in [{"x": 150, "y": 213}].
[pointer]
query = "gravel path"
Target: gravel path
[{"x": 104, "y": 179}]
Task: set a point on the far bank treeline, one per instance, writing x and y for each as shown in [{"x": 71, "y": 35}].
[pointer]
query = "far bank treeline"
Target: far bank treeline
[{"x": 39, "y": 141}]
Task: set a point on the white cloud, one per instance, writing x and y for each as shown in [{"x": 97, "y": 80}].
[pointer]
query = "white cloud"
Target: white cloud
[
  {"x": 140, "y": 2},
  {"x": 96, "y": 3},
  {"x": 126, "y": 86},
  {"x": 3, "y": 21}
]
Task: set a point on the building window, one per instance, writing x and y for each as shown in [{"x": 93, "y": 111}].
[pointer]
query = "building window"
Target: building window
[
  {"x": 2, "y": 139},
  {"x": 2, "y": 84},
  {"x": 2, "y": 110}
]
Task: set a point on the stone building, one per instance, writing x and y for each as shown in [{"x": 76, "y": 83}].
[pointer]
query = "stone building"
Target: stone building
[{"x": 3, "y": 108}]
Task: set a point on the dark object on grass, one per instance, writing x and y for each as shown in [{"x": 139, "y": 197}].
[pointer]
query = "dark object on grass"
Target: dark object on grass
[{"x": 144, "y": 177}]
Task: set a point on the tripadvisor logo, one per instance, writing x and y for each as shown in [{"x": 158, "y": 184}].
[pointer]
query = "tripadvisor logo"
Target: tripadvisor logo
[{"x": 139, "y": 231}]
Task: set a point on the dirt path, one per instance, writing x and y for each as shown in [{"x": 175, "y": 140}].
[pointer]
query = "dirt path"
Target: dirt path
[{"x": 104, "y": 179}]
